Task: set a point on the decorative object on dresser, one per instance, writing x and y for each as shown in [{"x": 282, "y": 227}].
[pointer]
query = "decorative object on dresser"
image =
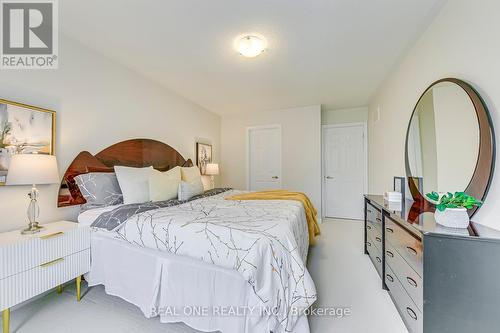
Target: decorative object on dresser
[
  {"x": 212, "y": 170},
  {"x": 24, "y": 129},
  {"x": 33, "y": 169},
  {"x": 135, "y": 153},
  {"x": 33, "y": 264},
  {"x": 203, "y": 156},
  {"x": 432, "y": 272},
  {"x": 452, "y": 208}
]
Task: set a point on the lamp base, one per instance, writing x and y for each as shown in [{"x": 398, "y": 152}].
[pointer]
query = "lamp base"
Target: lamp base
[{"x": 33, "y": 228}]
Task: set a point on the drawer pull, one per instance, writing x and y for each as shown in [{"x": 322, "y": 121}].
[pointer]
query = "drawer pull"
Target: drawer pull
[
  {"x": 55, "y": 234},
  {"x": 378, "y": 239},
  {"x": 369, "y": 211},
  {"x": 378, "y": 259},
  {"x": 411, "y": 313},
  {"x": 412, "y": 282},
  {"x": 411, "y": 250},
  {"x": 390, "y": 230},
  {"x": 368, "y": 243},
  {"x": 50, "y": 263},
  {"x": 378, "y": 219},
  {"x": 390, "y": 278},
  {"x": 368, "y": 227},
  {"x": 390, "y": 254}
]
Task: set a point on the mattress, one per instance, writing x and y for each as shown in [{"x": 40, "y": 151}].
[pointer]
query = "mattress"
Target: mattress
[{"x": 88, "y": 217}]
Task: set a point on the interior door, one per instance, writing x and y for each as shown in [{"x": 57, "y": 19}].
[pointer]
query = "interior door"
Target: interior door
[
  {"x": 344, "y": 170},
  {"x": 264, "y": 158}
]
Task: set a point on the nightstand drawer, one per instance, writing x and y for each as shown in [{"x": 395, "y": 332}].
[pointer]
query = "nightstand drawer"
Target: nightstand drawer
[
  {"x": 50, "y": 244},
  {"x": 63, "y": 243},
  {"x": 23, "y": 286}
]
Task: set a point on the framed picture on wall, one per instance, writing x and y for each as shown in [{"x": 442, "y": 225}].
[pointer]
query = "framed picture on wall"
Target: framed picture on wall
[
  {"x": 203, "y": 156},
  {"x": 24, "y": 129}
]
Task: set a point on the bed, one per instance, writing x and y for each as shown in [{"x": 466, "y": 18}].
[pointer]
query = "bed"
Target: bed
[{"x": 214, "y": 264}]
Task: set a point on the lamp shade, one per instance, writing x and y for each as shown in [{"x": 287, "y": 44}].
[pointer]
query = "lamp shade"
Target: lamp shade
[
  {"x": 212, "y": 169},
  {"x": 32, "y": 169}
]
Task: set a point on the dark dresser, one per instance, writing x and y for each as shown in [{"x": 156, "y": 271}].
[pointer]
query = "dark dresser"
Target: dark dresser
[{"x": 440, "y": 279}]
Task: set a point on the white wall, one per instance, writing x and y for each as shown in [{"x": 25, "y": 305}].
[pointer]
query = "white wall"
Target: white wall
[
  {"x": 342, "y": 116},
  {"x": 99, "y": 103},
  {"x": 461, "y": 42},
  {"x": 301, "y": 148}
]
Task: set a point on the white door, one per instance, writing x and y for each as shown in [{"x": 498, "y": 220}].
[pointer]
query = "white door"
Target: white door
[
  {"x": 264, "y": 158},
  {"x": 344, "y": 170}
]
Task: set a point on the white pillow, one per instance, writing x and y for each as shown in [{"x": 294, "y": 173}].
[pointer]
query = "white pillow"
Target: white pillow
[
  {"x": 187, "y": 190},
  {"x": 134, "y": 183},
  {"x": 164, "y": 185},
  {"x": 190, "y": 174}
]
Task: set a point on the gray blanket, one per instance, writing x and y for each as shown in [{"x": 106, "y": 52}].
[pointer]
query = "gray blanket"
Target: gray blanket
[{"x": 115, "y": 218}]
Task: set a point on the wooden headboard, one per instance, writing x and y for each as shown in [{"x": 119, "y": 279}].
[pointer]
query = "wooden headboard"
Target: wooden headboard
[{"x": 133, "y": 153}]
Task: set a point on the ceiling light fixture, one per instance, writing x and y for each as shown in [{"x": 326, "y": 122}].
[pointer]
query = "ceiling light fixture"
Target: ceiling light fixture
[{"x": 251, "y": 46}]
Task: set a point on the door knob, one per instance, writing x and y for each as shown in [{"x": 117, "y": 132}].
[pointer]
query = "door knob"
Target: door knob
[
  {"x": 329, "y": 177},
  {"x": 274, "y": 177}
]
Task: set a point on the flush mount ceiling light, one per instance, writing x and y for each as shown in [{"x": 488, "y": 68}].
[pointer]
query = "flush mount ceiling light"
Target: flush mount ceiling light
[{"x": 251, "y": 46}]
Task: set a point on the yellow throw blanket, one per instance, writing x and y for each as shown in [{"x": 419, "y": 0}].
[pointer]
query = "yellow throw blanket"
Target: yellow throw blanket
[{"x": 311, "y": 212}]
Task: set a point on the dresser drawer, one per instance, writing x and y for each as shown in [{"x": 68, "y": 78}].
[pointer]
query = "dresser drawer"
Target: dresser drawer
[
  {"x": 408, "y": 310},
  {"x": 23, "y": 286},
  {"x": 46, "y": 246},
  {"x": 375, "y": 255},
  {"x": 405, "y": 244},
  {"x": 408, "y": 278},
  {"x": 375, "y": 234},
  {"x": 374, "y": 215}
]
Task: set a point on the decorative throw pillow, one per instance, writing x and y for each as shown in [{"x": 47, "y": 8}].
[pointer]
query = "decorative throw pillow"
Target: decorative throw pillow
[
  {"x": 99, "y": 189},
  {"x": 134, "y": 183},
  {"x": 191, "y": 173},
  {"x": 187, "y": 190},
  {"x": 164, "y": 185}
]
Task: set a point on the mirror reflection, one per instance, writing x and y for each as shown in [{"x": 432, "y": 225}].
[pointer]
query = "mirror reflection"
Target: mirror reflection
[{"x": 443, "y": 139}]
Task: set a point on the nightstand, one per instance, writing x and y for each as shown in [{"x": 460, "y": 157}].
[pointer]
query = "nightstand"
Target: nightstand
[{"x": 33, "y": 264}]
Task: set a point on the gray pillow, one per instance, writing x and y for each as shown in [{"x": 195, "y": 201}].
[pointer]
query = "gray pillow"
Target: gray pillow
[
  {"x": 187, "y": 190},
  {"x": 99, "y": 189}
]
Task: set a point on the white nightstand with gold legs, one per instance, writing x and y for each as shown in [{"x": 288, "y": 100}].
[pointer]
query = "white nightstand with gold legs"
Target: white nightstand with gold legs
[{"x": 33, "y": 264}]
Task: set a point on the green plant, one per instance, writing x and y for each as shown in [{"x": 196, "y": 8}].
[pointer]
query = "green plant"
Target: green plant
[{"x": 457, "y": 200}]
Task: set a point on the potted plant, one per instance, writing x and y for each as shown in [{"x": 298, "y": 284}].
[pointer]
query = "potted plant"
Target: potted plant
[{"x": 451, "y": 209}]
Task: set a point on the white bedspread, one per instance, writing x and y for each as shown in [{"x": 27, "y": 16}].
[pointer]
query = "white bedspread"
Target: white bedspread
[{"x": 265, "y": 241}]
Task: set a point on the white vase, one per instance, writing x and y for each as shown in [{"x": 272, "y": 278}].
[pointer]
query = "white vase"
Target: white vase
[{"x": 452, "y": 217}]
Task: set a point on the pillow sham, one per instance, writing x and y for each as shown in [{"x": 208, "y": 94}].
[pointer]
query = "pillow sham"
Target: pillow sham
[
  {"x": 99, "y": 189},
  {"x": 134, "y": 183},
  {"x": 190, "y": 174},
  {"x": 187, "y": 190},
  {"x": 164, "y": 185}
]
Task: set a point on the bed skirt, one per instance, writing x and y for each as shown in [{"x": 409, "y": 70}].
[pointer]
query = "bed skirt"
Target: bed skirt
[{"x": 205, "y": 297}]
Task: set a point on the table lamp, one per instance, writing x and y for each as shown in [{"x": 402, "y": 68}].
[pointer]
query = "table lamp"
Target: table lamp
[
  {"x": 212, "y": 170},
  {"x": 32, "y": 169}
]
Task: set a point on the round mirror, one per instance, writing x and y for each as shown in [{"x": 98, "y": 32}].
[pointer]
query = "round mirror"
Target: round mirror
[{"x": 449, "y": 142}]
